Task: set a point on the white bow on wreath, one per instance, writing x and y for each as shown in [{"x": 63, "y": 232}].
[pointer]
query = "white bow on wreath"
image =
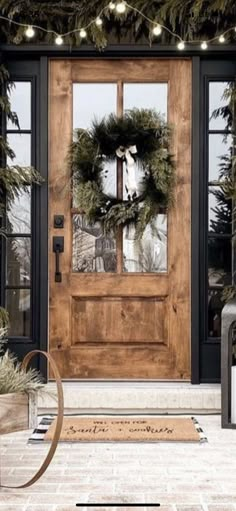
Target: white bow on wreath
[{"x": 126, "y": 153}]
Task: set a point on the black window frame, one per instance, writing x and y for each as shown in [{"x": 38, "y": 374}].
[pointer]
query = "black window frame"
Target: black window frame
[
  {"x": 210, "y": 348},
  {"x": 35, "y": 72}
]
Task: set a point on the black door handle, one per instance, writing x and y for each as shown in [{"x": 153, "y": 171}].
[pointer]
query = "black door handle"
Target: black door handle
[{"x": 58, "y": 248}]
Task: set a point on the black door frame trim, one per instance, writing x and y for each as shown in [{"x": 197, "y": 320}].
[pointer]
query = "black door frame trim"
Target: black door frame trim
[{"x": 35, "y": 70}]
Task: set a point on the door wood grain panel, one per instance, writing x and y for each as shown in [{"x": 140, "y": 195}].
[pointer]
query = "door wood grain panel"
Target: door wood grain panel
[{"x": 121, "y": 325}]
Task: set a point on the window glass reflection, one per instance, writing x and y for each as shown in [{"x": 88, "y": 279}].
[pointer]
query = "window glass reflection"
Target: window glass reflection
[
  {"x": 18, "y": 307},
  {"x": 21, "y": 145},
  {"x": 95, "y": 101},
  {"x": 219, "y": 212},
  {"x": 219, "y": 261},
  {"x": 146, "y": 95},
  {"x": 220, "y": 157},
  {"x": 20, "y": 98},
  {"x": 149, "y": 254},
  {"x": 92, "y": 100},
  {"x": 19, "y": 214},
  {"x": 18, "y": 261},
  {"x": 219, "y": 113},
  {"x": 92, "y": 251},
  {"x": 215, "y": 306}
]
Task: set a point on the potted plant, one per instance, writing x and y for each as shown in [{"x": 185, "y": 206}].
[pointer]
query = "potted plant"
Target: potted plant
[{"x": 18, "y": 388}]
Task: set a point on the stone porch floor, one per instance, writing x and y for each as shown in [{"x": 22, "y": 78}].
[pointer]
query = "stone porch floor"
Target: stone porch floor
[{"x": 181, "y": 477}]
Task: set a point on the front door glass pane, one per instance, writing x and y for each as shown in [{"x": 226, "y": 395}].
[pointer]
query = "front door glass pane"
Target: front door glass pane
[
  {"x": 149, "y": 254},
  {"x": 91, "y": 250},
  {"x": 93, "y": 101}
]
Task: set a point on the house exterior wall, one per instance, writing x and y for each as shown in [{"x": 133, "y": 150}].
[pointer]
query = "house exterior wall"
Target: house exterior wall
[{"x": 32, "y": 63}]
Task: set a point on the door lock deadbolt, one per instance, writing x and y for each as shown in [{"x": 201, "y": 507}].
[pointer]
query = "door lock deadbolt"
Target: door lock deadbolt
[{"x": 58, "y": 221}]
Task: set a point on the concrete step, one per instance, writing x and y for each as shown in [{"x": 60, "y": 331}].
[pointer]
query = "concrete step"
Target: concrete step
[{"x": 133, "y": 397}]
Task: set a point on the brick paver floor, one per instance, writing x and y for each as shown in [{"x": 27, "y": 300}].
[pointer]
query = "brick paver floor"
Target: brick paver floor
[{"x": 179, "y": 476}]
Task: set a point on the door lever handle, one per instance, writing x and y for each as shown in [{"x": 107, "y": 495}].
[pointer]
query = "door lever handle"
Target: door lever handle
[{"x": 58, "y": 248}]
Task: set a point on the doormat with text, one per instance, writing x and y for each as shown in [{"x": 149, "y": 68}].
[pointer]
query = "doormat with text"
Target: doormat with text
[{"x": 121, "y": 429}]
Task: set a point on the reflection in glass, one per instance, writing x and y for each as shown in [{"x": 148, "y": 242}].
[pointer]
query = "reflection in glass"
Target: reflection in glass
[
  {"x": 219, "y": 211},
  {"x": 220, "y": 156},
  {"x": 18, "y": 307},
  {"x": 146, "y": 95},
  {"x": 18, "y": 261},
  {"x": 215, "y": 306},
  {"x": 20, "y": 98},
  {"x": 219, "y": 261},
  {"x": 148, "y": 254},
  {"x": 94, "y": 101},
  {"x": 21, "y": 145},
  {"x": 92, "y": 251},
  {"x": 218, "y": 120},
  {"x": 19, "y": 214}
]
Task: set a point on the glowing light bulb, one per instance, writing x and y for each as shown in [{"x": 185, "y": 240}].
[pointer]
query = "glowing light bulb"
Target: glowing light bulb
[
  {"x": 221, "y": 39},
  {"x": 98, "y": 21},
  {"x": 112, "y": 6},
  {"x": 157, "y": 30},
  {"x": 204, "y": 45},
  {"x": 29, "y": 32},
  {"x": 59, "y": 40},
  {"x": 181, "y": 45},
  {"x": 83, "y": 33},
  {"x": 121, "y": 7}
]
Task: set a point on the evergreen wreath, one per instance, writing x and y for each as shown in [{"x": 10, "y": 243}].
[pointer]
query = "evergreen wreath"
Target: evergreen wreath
[{"x": 141, "y": 139}]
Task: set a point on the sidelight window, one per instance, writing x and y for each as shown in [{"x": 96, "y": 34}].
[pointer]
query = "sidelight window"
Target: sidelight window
[
  {"x": 220, "y": 228},
  {"x": 18, "y": 219}
]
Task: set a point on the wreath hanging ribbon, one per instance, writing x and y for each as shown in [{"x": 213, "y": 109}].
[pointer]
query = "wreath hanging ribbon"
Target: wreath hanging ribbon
[
  {"x": 126, "y": 153},
  {"x": 142, "y": 139}
]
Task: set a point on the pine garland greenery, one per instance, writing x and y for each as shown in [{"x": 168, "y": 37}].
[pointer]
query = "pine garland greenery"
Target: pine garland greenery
[
  {"x": 149, "y": 133},
  {"x": 191, "y": 19},
  {"x": 12, "y": 377},
  {"x": 13, "y": 178}
]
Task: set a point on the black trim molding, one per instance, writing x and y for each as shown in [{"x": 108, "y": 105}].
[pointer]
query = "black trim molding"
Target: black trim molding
[{"x": 35, "y": 71}]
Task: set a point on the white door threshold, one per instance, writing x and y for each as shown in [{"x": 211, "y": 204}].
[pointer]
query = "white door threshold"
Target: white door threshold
[{"x": 133, "y": 397}]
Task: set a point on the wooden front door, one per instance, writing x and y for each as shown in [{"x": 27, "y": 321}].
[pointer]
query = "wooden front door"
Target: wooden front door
[{"x": 122, "y": 309}]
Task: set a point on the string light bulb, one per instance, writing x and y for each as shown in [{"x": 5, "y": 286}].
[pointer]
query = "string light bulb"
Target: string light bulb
[
  {"x": 83, "y": 33},
  {"x": 204, "y": 45},
  {"x": 29, "y": 32},
  {"x": 98, "y": 21},
  {"x": 157, "y": 29},
  {"x": 181, "y": 45},
  {"x": 121, "y": 7},
  {"x": 59, "y": 40}
]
